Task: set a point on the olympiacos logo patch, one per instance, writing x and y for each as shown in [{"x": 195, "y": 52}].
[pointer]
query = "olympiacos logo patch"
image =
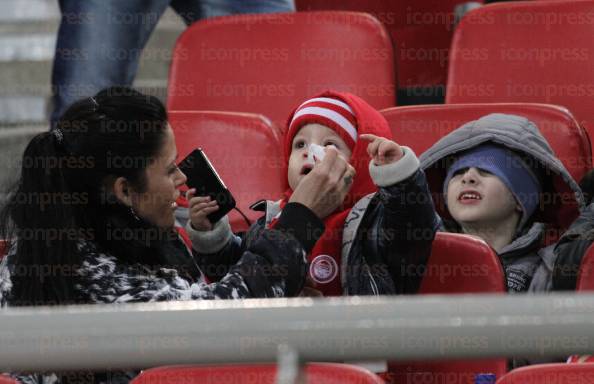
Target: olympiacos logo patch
[{"x": 323, "y": 269}]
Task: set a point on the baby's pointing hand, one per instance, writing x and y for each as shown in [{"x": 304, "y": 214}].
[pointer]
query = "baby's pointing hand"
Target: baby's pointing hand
[{"x": 382, "y": 150}]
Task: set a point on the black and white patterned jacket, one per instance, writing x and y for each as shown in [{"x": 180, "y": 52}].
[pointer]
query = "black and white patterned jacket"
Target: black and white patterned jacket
[{"x": 272, "y": 265}]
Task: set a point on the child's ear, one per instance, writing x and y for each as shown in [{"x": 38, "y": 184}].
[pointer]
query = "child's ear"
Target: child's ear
[{"x": 121, "y": 190}]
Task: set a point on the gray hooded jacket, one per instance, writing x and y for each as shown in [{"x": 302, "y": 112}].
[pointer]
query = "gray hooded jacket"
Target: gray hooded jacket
[{"x": 527, "y": 264}]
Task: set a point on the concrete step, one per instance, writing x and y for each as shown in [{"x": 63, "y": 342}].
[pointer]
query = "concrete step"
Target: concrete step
[
  {"x": 20, "y": 109},
  {"x": 31, "y": 73},
  {"x": 17, "y": 108},
  {"x": 27, "y": 43},
  {"x": 20, "y": 10}
]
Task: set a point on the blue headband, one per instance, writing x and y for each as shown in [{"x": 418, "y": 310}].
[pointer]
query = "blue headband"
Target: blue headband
[{"x": 509, "y": 168}]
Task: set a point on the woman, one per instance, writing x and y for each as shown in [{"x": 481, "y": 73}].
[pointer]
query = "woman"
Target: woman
[{"x": 91, "y": 219}]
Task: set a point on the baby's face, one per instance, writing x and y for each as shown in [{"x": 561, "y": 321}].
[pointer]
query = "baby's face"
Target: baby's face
[
  {"x": 479, "y": 198},
  {"x": 299, "y": 166}
]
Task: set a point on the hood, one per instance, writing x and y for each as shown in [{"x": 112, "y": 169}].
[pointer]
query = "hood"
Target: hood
[{"x": 562, "y": 198}]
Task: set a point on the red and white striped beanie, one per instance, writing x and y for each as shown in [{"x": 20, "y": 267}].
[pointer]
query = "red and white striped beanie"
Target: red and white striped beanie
[
  {"x": 328, "y": 111},
  {"x": 349, "y": 116}
]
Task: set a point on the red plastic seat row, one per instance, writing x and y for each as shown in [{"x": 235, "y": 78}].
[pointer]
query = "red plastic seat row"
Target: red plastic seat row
[
  {"x": 582, "y": 373},
  {"x": 452, "y": 267},
  {"x": 420, "y": 126},
  {"x": 267, "y": 63},
  {"x": 526, "y": 51},
  {"x": 315, "y": 373},
  {"x": 421, "y": 32},
  {"x": 245, "y": 149},
  {"x": 458, "y": 264}
]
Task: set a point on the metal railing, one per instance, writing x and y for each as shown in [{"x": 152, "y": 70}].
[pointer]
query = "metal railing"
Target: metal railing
[{"x": 339, "y": 329}]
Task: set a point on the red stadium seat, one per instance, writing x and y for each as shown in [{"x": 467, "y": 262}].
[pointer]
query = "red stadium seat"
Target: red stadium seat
[
  {"x": 462, "y": 264},
  {"x": 419, "y": 127},
  {"x": 316, "y": 373},
  {"x": 458, "y": 264},
  {"x": 245, "y": 150},
  {"x": 526, "y": 51},
  {"x": 585, "y": 280},
  {"x": 7, "y": 380},
  {"x": 421, "y": 32},
  {"x": 551, "y": 374},
  {"x": 267, "y": 63}
]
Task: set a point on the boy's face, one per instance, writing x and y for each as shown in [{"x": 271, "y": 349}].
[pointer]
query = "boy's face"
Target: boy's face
[
  {"x": 479, "y": 198},
  {"x": 311, "y": 134}
]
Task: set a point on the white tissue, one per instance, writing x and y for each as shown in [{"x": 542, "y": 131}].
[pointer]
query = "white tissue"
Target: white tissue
[{"x": 315, "y": 153}]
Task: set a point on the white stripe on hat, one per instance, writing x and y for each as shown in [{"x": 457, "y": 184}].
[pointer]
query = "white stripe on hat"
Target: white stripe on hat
[
  {"x": 330, "y": 114},
  {"x": 329, "y": 100}
]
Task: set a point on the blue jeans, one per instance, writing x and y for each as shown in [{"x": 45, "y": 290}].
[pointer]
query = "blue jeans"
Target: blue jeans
[{"x": 100, "y": 41}]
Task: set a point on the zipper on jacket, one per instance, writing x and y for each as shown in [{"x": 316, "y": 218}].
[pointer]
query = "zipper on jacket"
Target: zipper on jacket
[{"x": 372, "y": 282}]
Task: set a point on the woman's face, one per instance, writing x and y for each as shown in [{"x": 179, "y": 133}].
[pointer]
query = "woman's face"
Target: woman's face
[{"x": 163, "y": 179}]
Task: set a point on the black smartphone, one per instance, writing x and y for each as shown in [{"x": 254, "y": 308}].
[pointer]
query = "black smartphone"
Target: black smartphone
[{"x": 202, "y": 175}]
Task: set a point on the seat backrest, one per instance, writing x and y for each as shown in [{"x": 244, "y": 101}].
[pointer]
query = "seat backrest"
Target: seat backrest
[
  {"x": 458, "y": 264},
  {"x": 585, "y": 281},
  {"x": 245, "y": 149},
  {"x": 526, "y": 51},
  {"x": 318, "y": 373},
  {"x": 550, "y": 374},
  {"x": 419, "y": 127},
  {"x": 268, "y": 63},
  {"x": 462, "y": 264},
  {"x": 421, "y": 32}
]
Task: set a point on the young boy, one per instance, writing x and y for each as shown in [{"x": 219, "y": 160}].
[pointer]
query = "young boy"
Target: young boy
[
  {"x": 357, "y": 142},
  {"x": 495, "y": 172}
]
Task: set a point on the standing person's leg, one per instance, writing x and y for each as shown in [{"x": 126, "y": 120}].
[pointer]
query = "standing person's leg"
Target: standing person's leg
[
  {"x": 213, "y": 8},
  {"x": 193, "y": 10},
  {"x": 99, "y": 44}
]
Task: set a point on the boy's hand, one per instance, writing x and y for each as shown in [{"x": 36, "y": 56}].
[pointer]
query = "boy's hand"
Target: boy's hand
[
  {"x": 200, "y": 207},
  {"x": 323, "y": 189},
  {"x": 382, "y": 150}
]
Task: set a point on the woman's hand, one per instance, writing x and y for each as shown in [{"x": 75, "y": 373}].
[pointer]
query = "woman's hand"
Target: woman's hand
[
  {"x": 382, "y": 150},
  {"x": 323, "y": 190},
  {"x": 310, "y": 289},
  {"x": 200, "y": 208}
]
